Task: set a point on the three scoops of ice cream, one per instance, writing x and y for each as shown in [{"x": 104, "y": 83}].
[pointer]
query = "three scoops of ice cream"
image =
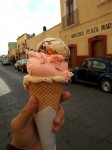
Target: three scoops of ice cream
[{"x": 47, "y": 72}]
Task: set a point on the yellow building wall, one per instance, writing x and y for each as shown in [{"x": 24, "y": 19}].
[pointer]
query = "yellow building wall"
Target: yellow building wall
[
  {"x": 93, "y": 18},
  {"x": 21, "y": 45},
  {"x": 14, "y": 51},
  {"x": 92, "y": 9},
  {"x": 88, "y": 9},
  {"x": 22, "y": 38},
  {"x": 52, "y": 32},
  {"x": 62, "y": 8}
]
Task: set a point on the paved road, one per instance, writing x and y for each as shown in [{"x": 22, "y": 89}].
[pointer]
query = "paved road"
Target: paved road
[{"x": 88, "y": 114}]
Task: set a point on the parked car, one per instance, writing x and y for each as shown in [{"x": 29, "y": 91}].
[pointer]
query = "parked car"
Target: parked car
[
  {"x": 97, "y": 71},
  {"x": 16, "y": 64},
  {"x": 5, "y": 62},
  {"x": 22, "y": 65}
]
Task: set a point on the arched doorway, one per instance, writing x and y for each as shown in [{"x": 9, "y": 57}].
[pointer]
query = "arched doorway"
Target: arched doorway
[
  {"x": 98, "y": 46},
  {"x": 73, "y": 56}
]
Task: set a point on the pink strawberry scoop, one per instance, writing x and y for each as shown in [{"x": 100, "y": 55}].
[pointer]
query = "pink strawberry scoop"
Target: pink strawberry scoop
[{"x": 44, "y": 65}]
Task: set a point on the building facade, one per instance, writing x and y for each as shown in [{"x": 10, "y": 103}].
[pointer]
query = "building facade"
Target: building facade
[
  {"x": 33, "y": 41},
  {"x": 22, "y": 46},
  {"x": 87, "y": 28},
  {"x": 12, "y": 50}
]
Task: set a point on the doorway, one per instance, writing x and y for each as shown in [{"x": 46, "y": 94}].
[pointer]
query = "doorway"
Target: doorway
[
  {"x": 73, "y": 56},
  {"x": 98, "y": 46}
]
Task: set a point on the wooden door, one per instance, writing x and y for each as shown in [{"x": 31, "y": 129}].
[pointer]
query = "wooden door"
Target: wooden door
[
  {"x": 73, "y": 57},
  {"x": 97, "y": 49}
]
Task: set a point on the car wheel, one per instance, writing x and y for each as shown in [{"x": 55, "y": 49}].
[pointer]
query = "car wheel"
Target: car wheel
[
  {"x": 22, "y": 69},
  {"x": 106, "y": 85}
]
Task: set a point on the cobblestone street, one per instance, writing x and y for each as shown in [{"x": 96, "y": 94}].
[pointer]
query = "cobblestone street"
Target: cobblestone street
[
  {"x": 88, "y": 114},
  {"x": 10, "y": 103}
]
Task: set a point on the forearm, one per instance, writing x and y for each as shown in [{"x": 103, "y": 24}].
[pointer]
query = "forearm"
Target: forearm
[{"x": 11, "y": 147}]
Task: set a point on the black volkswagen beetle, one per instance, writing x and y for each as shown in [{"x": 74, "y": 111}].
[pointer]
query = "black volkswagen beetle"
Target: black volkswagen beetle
[{"x": 97, "y": 71}]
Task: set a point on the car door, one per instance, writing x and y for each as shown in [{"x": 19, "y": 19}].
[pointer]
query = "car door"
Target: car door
[
  {"x": 98, "y": 68},
  {"x": 84, "y": 71},
  {"x": 92, "y": 70}
]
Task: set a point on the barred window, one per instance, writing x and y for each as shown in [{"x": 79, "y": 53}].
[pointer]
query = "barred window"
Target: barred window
[
  {"x": 70, "y": 17},
  {"x": 70, "y": 13}
]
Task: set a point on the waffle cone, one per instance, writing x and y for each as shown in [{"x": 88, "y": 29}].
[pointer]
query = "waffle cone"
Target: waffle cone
[{"x": 47, "y": 94}]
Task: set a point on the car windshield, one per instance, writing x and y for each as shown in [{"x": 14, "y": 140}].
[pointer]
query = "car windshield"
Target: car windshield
[
  {"x": 25, "y": 60},
  {"x": 18, "y": 61}
]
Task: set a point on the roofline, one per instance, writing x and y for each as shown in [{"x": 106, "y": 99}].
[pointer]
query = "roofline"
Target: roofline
[{"x": 21, "y": 36}]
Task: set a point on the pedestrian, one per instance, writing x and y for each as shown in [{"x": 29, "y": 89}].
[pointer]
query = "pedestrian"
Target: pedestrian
[{"x": 24, "y": 132}]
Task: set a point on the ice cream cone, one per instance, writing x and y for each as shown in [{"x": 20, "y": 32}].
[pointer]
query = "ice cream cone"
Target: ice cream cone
[
  {"x": 47, "y": 94},
  {"x": 48, "y": 97},
  {"x": 47, "y": 72}
]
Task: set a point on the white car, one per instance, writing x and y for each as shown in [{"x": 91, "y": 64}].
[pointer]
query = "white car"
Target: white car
[{"x": 5, "y": 62}]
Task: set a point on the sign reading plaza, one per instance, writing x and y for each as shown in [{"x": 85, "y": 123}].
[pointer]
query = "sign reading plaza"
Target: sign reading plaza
[{"x": 92, "y": 30}]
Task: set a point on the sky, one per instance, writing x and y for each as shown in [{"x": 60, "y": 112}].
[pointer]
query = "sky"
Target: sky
[{"x": 26, "y": 16}]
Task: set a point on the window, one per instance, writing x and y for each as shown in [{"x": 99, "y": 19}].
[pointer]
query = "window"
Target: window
[
  {"x": 86, "y": 64},
  {"x": 70, "y": 14},
  {"x": 99, "y": 65}
]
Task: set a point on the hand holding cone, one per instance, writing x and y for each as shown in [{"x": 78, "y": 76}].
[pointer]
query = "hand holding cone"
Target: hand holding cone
[{"x": 47, "y": 74}]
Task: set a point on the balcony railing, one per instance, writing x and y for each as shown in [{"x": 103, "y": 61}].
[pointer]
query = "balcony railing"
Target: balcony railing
[{"x": 71, "y": 18}]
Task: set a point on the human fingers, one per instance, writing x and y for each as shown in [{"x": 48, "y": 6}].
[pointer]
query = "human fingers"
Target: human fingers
[
  {"x": 65, "y": 96},
  {"x": 22, "y": 119},
  {"x": 58, "y": 120}
]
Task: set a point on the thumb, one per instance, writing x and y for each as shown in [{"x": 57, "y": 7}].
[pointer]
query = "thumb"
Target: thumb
[{"x": 22, "y": 119}]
